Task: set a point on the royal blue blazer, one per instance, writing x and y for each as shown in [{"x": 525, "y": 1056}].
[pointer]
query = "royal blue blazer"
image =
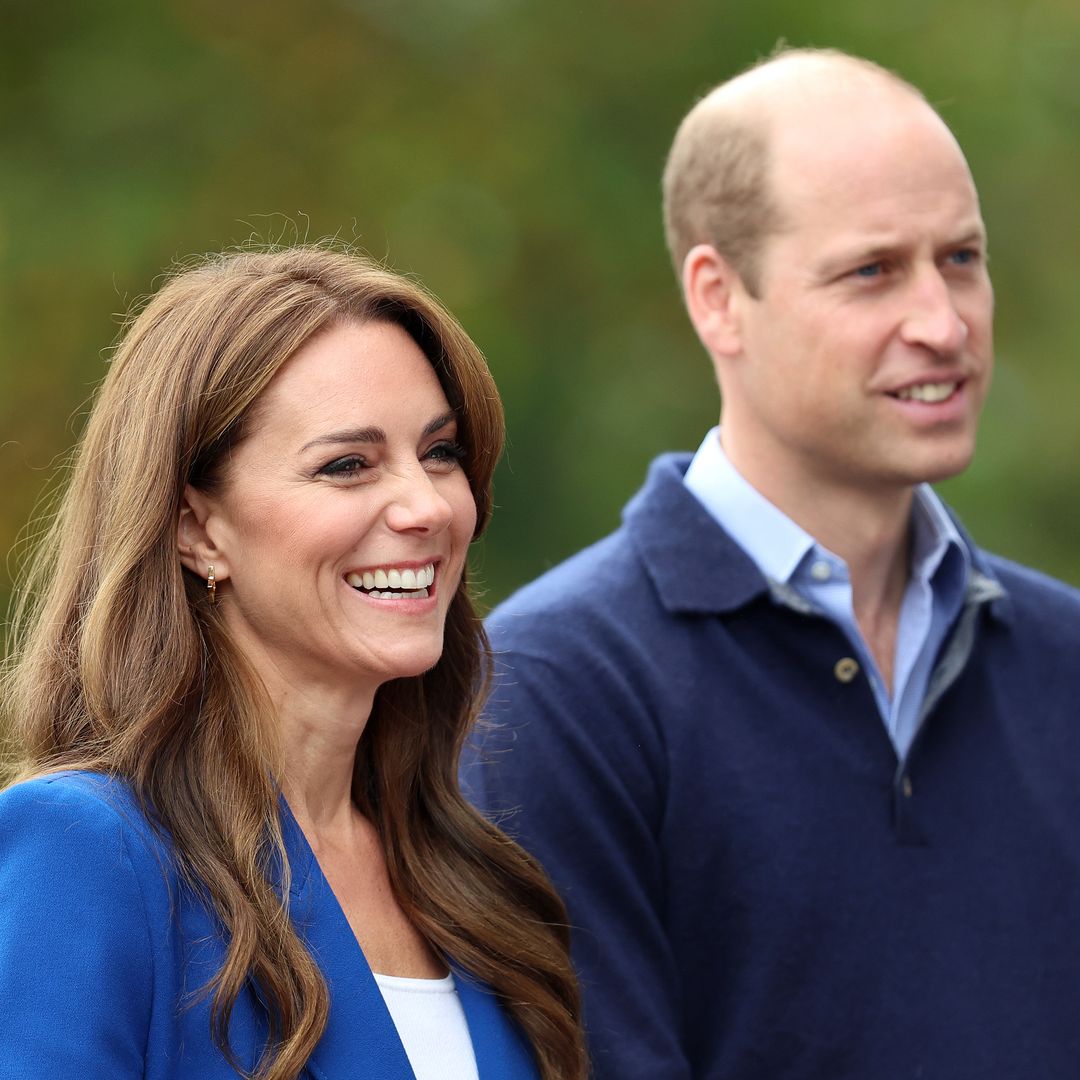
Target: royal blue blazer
[{"x": 103, "y": 951}]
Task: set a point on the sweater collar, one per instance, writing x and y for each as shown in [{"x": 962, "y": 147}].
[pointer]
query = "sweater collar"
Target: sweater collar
[
  {"x": 693, "y": 564},
  {"x": 697, "y": 568}
]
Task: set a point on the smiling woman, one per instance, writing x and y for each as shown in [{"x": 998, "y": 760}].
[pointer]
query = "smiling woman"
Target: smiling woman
[
  {"x": 245, "y": 661},
  {"x": 342, "y": 475}
]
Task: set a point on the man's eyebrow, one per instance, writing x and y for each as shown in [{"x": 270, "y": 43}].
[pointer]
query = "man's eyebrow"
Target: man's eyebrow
[
  {"x": 875, "y": 251},
  {"x": 374, "y": 434},
  {"x": 974, "y": 235},
  {"x": 836, "y": 262}
]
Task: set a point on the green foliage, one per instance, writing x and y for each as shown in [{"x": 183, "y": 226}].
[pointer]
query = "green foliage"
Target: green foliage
[{"x": 508, "y": 152}]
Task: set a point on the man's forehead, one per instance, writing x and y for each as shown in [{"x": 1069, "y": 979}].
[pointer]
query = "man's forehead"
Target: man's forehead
[
  {"x": 861, "y": 140},
  {"x": 873, "y": 150}
]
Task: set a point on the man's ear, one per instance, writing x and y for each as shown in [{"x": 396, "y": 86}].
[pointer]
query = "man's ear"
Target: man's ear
[
  {"x": 195, "y": 529},
  {"x": 715, "y": 297}
]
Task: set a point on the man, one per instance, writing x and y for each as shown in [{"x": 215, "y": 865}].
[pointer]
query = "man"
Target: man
[{"x": 803, "y": 761}]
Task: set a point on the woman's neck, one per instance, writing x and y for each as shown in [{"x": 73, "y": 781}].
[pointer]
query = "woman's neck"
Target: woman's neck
[{"x": 319, "y": 732}]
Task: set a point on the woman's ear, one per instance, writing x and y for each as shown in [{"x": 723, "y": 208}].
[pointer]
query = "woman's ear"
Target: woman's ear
[{"x": 195, "y": 529}]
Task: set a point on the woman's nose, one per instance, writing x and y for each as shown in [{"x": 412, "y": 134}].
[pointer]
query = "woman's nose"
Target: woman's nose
[{"x": 417, "y": 505}]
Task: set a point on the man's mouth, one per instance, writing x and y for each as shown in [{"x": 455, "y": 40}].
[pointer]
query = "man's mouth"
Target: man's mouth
[
  {"x": 929, "y": 392},
  {"x": 393, "y": 583}
]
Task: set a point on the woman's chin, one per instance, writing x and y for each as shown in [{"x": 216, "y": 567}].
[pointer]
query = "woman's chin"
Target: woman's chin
[{"x": 412, "y": 666}]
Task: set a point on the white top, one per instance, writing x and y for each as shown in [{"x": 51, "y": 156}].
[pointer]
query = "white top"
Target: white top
[{"x": 431, "y": 1025}]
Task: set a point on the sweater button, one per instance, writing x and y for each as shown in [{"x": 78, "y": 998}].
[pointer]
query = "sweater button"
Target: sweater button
[
  {"x": 905, "y": 787},
  {"x": 846, "y": 668}
]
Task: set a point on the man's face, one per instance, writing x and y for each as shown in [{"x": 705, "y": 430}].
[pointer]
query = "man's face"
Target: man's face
[{"x": 867, "y": 356}]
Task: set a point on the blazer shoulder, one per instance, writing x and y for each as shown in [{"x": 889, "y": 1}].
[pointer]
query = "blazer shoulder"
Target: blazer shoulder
[
  {"x": 90, "y": 799},
  {"x": 84, "y": 914},
  {"x": 79, "y": 824}
]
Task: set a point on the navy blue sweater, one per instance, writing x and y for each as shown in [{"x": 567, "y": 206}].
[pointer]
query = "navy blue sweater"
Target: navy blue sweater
[{"x": 759, "y": 889}]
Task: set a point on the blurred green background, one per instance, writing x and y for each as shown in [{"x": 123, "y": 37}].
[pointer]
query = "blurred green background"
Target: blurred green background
[{"x": 508, "y": 153}]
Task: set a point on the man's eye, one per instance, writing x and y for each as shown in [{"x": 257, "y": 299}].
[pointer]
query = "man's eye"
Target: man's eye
[
  {"x": 964, "y": 257},
  {"x": 346, "y": 466},
  {"x": 870, "y": 270}
]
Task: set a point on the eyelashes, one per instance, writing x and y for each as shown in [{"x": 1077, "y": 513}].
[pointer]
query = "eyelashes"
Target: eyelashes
[
  {"x": 448, "y": 450},
  {"x": 447, "y": 454},
  {"x": 344, "y": 466}
]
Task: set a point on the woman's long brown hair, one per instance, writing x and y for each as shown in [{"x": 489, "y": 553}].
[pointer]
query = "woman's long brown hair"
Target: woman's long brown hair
[{"x": 119, "y": 665}]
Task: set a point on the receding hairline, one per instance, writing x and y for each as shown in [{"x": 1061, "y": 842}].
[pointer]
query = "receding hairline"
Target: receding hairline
[
  {"x": 756, "y": 99},
  {"x": 796, "y": 69},
  {"x": 732, "y": 129}
]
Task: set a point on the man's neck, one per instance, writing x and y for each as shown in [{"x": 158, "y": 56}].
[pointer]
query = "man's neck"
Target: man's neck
[{"x": 877, "y": 593}]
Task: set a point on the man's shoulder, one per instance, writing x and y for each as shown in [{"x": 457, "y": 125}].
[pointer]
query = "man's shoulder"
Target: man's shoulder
[
  {"x": 1034, "y": 595},
  {"x": 610, "y": 579},
  {"x": 575, "y": 584}
]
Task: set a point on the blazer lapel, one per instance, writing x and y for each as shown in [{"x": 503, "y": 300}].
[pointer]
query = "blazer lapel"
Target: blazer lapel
[
  {"x": 360, "y": 1041},
  {"x": 501, "y": 1050}
]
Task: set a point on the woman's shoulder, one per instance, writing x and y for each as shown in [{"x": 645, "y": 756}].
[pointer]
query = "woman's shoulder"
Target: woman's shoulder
[
  {"x": 79, "y": 816},
  {"x": 77, "y": 793},
  {"x": 85, "y": 927},
  {"x": 71, "y": 787}
]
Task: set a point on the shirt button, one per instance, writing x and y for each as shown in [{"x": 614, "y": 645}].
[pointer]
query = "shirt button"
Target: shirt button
[
  {"x": 846, "y": 669},
  {"x": 821, "y": 570}
]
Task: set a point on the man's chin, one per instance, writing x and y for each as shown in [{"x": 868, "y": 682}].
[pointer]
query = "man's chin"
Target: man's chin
[{"x": 945, "y": 467}]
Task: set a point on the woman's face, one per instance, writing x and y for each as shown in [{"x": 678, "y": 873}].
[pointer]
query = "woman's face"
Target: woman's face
[{"x": 344, "y": 516}]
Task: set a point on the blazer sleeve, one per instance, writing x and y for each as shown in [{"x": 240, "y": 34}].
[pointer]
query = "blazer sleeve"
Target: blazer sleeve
[
  {"x": 568, "y": 760},
  {"x": 76, "y": 961}
]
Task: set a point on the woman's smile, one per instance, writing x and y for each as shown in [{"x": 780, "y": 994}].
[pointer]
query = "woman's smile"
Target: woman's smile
[{"x": 393, "y": 582}]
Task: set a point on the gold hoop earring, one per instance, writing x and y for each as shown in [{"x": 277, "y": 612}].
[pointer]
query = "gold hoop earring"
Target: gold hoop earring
[{"x": 211, "y": 584}]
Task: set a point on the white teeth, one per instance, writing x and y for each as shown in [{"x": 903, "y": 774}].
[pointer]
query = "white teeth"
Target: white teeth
[
  {"x": 411, "y": 582},
  {"x": 929, "y": 392},
  {"x": 415, "y": 593}
]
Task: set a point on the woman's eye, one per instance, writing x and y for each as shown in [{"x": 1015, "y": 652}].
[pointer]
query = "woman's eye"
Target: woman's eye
[
  {"x": 448, "y": 452},
  {"x": 345, "y": 466}
]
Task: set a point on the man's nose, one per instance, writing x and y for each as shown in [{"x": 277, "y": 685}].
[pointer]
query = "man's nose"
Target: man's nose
[
  {"x": 933, "y": 320},
  {"x": 417, "y": 505}
]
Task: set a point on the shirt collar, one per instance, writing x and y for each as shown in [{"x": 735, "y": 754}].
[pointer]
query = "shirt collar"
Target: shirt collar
[
  {"x": 779, "y": 547},
  {"x": 761, "y": 529}
]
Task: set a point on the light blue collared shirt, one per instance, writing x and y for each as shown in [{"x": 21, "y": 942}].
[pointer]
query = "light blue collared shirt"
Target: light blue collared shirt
[{"x": 787, "y": 554}]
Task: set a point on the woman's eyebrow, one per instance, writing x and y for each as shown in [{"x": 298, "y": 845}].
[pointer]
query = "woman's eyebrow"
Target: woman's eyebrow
[
  {"x": 440, "y": 422},
  {"x": 349, "y": 435},
  {"x": 375, "y": 434}
]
